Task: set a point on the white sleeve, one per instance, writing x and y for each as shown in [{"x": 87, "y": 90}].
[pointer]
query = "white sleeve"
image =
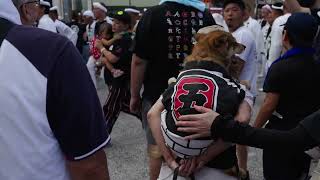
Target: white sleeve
[
  {"x": 245, "y": 55},
  {"x": 260, "y": 45},
  {"x": 66, "y": 31},
  {"x": 276, "y": 41}
]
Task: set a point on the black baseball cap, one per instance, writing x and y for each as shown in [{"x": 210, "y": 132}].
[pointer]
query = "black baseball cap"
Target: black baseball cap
[
  {"x": 122, "y": 16},
  {"x": 302, "y": 27}
]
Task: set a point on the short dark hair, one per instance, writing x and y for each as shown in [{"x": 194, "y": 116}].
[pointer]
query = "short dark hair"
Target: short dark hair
[
  {"x": 240, "y": 3},
  {"x": 46, "y": 9},
  {"x": 307, "y": 3}
]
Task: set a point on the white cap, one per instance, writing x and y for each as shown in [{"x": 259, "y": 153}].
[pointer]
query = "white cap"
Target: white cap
[
  {"x": 132, "y": 10},
  {"x": 267, "y": 7},
  {"x": 209, "y": 29},
  {"x": 277, "y": 6},
  {"x": 54, "y": 8},
  {"x": 99, "y": 6},
  {"x": 45, "y": 3},
  {"x": 88, "y": 13}
]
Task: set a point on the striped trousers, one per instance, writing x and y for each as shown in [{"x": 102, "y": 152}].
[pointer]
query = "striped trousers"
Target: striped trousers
[{"x": 118, "y": 100}]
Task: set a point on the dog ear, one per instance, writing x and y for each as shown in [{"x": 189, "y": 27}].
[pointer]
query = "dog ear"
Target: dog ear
[
  {"x": 220, "y": 40},
  {"x": 199, "y": 36}
]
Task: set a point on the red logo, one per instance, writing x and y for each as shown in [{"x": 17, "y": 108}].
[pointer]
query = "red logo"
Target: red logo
[{"x": 190, "y": 91}]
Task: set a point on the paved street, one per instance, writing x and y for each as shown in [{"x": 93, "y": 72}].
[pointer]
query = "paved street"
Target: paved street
[{"x": 127, "y": 157}]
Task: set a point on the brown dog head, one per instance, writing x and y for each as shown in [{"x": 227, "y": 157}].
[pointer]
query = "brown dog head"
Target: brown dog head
[{"x": 216, "y": 45}]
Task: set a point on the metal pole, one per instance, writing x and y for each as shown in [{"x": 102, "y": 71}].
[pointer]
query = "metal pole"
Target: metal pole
[
  {"x": 130, "y": 4},
  {"x": 67, "y": 9}
]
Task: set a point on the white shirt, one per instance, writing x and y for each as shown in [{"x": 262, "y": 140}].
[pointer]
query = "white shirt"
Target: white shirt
[
  {"x": 276, "y": 38},
  {"x": 254, "y": 26},
  {"x": 66, "y": 31},
  {"x": 249, "y": 55},
  {"x": 266, "y": 42},
  {"x": 47, "y": 23},
  {"x": 218, "y": 18}
]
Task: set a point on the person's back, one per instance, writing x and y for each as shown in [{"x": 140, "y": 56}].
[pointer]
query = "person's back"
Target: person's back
[
  {"x": 300, "y": 95},
  {"x": 168, "y": 40},
  {"x": 291, "y": 95},
  {"x": 164, "y": 37},
  {"x": 46, "y": 23},
  {"x": 45, "y": 108}
]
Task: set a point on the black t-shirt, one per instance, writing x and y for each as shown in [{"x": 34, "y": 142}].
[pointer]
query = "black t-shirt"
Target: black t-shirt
[
  {"x": 164, "y": 38},
  {"x": 202, "y": 83},
  {"x": 121, "y": 49},
  {"x": 312, "y": 125},
  {"x": 316, "y": 13},
  {"x": 296, "y": 80}
]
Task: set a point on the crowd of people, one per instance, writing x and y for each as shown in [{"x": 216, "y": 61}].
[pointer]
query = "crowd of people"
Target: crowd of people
[{"x": 190, "y": 75}]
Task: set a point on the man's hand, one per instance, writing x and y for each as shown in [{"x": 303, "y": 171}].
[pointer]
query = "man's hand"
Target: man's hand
[
  {"x": 135, "y": 104},
  {"x": 170, "y": 159},
  {"x": 190, "y": 166},
  {"x": 199, "y": 124}
]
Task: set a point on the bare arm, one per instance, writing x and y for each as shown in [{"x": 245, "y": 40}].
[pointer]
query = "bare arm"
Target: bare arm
[
  {"x": 111, "y": 41},
  {"x": 138, "y": 68},
  {"x": 244, "y": 112},
  {"x": 269, "y": 105},
  {"x": 154, "y": 119},
  {"x": 294, "y": 6},
  {"x": 92, "y": 167},
  {"x": 107, "y": 64},
  {"x": 107, "y": 54},
  {"x": 111, "y": 58}
]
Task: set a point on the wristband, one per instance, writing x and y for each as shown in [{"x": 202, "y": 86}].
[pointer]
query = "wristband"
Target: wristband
[{"x": 218, "y": 126}]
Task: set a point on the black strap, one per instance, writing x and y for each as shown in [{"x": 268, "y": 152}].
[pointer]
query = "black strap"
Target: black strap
[
  {"x": 176, "y": 172},
  {"x": 5, "y": 27}
]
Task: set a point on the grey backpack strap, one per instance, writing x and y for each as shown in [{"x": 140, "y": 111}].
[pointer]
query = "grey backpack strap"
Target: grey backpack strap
[{"x": 5, "y": 27}]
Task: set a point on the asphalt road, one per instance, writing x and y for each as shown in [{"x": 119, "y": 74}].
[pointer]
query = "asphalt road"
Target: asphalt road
[{"x": 127, "y": 158}]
